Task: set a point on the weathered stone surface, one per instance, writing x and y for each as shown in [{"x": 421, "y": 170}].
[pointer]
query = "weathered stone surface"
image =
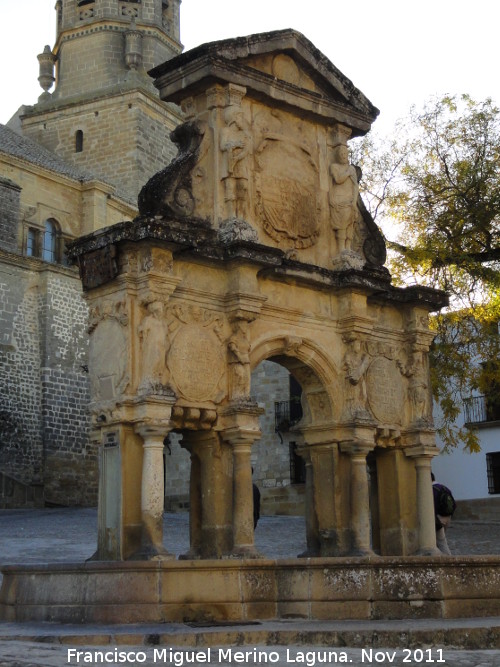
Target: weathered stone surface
[
  {"x": 236, "y": 591},
  {"x": 252, "y": 245}
]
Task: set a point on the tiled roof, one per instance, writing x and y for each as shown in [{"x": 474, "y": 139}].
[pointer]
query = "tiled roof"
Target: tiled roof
[{"x": 16, "y": 145}]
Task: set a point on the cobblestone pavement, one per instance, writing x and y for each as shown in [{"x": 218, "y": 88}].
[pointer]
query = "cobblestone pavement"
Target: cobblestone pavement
[{"x": 69, "y": 535}]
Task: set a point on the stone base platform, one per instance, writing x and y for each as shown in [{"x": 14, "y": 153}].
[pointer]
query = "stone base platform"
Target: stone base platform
[
  {"x": 458, "y": 633},
  {"x": 247, "y": 590}
]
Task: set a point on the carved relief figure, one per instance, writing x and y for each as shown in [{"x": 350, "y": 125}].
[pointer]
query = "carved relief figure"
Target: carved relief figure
[
  {"x": 418, "y": 390},
  {"x": 355, "y": 364},
  {"x": 236, "y": 145},
  {"x": 239, "y": 360},
  {"x": 343, "y": 198},
  {"x": 153, "y": 344}
]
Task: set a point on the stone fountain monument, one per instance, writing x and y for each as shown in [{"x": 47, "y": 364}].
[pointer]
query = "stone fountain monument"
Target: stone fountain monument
[{"x": 254, "y": 244}]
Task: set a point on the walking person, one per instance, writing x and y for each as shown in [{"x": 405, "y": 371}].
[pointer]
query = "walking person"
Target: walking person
[{"x": 444, "y": 507}]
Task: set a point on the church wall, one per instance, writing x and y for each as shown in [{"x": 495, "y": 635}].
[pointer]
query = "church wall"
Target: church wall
[
  {"x": 124, "y": 143},
  {"x": 44, "y": 386},
  {"x": 9, "y": 214},
  {"x": 21, "y": 440},
  {"x": 43, "y": 379}
]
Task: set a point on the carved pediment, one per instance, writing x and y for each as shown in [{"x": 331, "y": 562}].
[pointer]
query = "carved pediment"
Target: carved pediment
[
  {"x": 264, "y": 149},
  {"x": 283, "y": 66}
]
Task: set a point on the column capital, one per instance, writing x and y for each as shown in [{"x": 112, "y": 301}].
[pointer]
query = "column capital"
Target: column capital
[
  {"x": 356, "y": 448},
  {"x": 240, "y": 421},
  {"x": 240, "y": 437},
  {"x": 151, "y": 431},
  {"x": 423, "y": 451}
]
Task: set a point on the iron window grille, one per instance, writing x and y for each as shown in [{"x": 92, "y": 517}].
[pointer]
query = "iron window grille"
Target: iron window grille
[{"x": 493, "y": 471}]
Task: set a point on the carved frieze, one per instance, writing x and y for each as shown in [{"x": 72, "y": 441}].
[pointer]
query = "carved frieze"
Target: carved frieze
[{"x": 98, "y": 267}]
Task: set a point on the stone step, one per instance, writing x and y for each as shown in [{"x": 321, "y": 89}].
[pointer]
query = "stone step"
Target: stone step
[{"x": 464, "y": 633}]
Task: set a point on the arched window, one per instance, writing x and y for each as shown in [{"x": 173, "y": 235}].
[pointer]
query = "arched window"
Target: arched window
[
  {"x": 79, "y": 141},
  {"x": 49, "y": 248}
]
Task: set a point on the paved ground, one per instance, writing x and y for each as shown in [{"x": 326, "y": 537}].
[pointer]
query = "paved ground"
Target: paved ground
[
  {"x": 64, "y": 535},
  {"x": 17, "y": 654}
]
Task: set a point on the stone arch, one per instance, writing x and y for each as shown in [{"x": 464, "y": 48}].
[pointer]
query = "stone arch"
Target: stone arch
[
  {"x": 329, "y": 530},
  {"x": 313, "y": 369}
]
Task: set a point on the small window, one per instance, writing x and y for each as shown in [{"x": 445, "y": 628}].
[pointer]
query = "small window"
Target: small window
[
  {"x": 78, "y": 141},
  {"x": 493, "y": 471},
  {"x": 32, "y": 242},
  {"x": 49, "y": 248}
]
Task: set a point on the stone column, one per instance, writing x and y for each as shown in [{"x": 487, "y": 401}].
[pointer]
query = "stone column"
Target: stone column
[
  {"x": 194, "y": 506},
  {"x": 243, "y": 533},
  {"x": 360, "y": 498},
  {"x": 326, "y": 499},
  {"x": 425, "y": 502},
  {"x": 152, "y": 494},
  {"x": 312, "y": 529},
  {"x": 241, "y": 421},
  {"x": 210, "y": 495}
]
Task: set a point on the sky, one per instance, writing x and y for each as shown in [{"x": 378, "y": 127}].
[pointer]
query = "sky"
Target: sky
[{"x": 397, "y": 52}]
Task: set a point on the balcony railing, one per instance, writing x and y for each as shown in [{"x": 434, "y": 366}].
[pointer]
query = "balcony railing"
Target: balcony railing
[
  {"x": 286, "y": 414},
  {"x": 480, "y": 409}
]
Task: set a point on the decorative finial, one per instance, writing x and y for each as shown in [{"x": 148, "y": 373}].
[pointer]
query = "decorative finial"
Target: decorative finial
[{"x": 46, "y": 60}]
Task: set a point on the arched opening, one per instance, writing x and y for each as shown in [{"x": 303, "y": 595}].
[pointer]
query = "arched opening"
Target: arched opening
[{"x": 278, "y": 468}]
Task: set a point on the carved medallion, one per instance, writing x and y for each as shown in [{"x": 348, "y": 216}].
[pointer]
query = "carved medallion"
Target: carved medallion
[
  {"x": 385, "y": 390},
  {"x": 196, "y": 363},
  {"x": 197, "y": 356},
  {"x": 287, "y": 186}
]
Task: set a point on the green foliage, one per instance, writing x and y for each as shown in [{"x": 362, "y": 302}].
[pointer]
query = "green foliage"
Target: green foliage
[{"x": 434, "y": 187}]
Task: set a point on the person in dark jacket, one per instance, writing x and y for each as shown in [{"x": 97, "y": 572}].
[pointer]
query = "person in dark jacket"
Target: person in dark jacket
[
  {"x": 442, "y": 521},
  {"x": 256, "y": 504}
]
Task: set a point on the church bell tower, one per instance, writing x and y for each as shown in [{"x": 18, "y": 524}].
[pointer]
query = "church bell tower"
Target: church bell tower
[{"x": 104, "y": 115}]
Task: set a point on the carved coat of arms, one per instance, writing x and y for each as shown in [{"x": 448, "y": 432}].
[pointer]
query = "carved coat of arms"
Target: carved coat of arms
[{"x": 286, "y": 189}]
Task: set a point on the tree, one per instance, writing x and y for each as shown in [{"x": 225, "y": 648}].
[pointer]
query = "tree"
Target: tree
[{"x": 434, "y": 187}]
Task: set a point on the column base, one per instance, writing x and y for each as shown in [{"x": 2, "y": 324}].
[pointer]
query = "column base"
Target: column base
[
  {"x": 362, "y": 552},
  {"x": 429, "y": 551},
  {"x": 245, "y": 552},
  {"x": 190, "y": 555},
  {"x": 152, "y": 552},
  {"x": 309, "y": 553}
]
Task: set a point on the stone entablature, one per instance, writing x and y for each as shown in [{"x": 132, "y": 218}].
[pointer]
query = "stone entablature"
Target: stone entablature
[{"x": 252, "y": 245}]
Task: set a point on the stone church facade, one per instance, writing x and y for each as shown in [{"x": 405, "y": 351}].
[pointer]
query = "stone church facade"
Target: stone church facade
[{"x": 70, "y": 164}]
